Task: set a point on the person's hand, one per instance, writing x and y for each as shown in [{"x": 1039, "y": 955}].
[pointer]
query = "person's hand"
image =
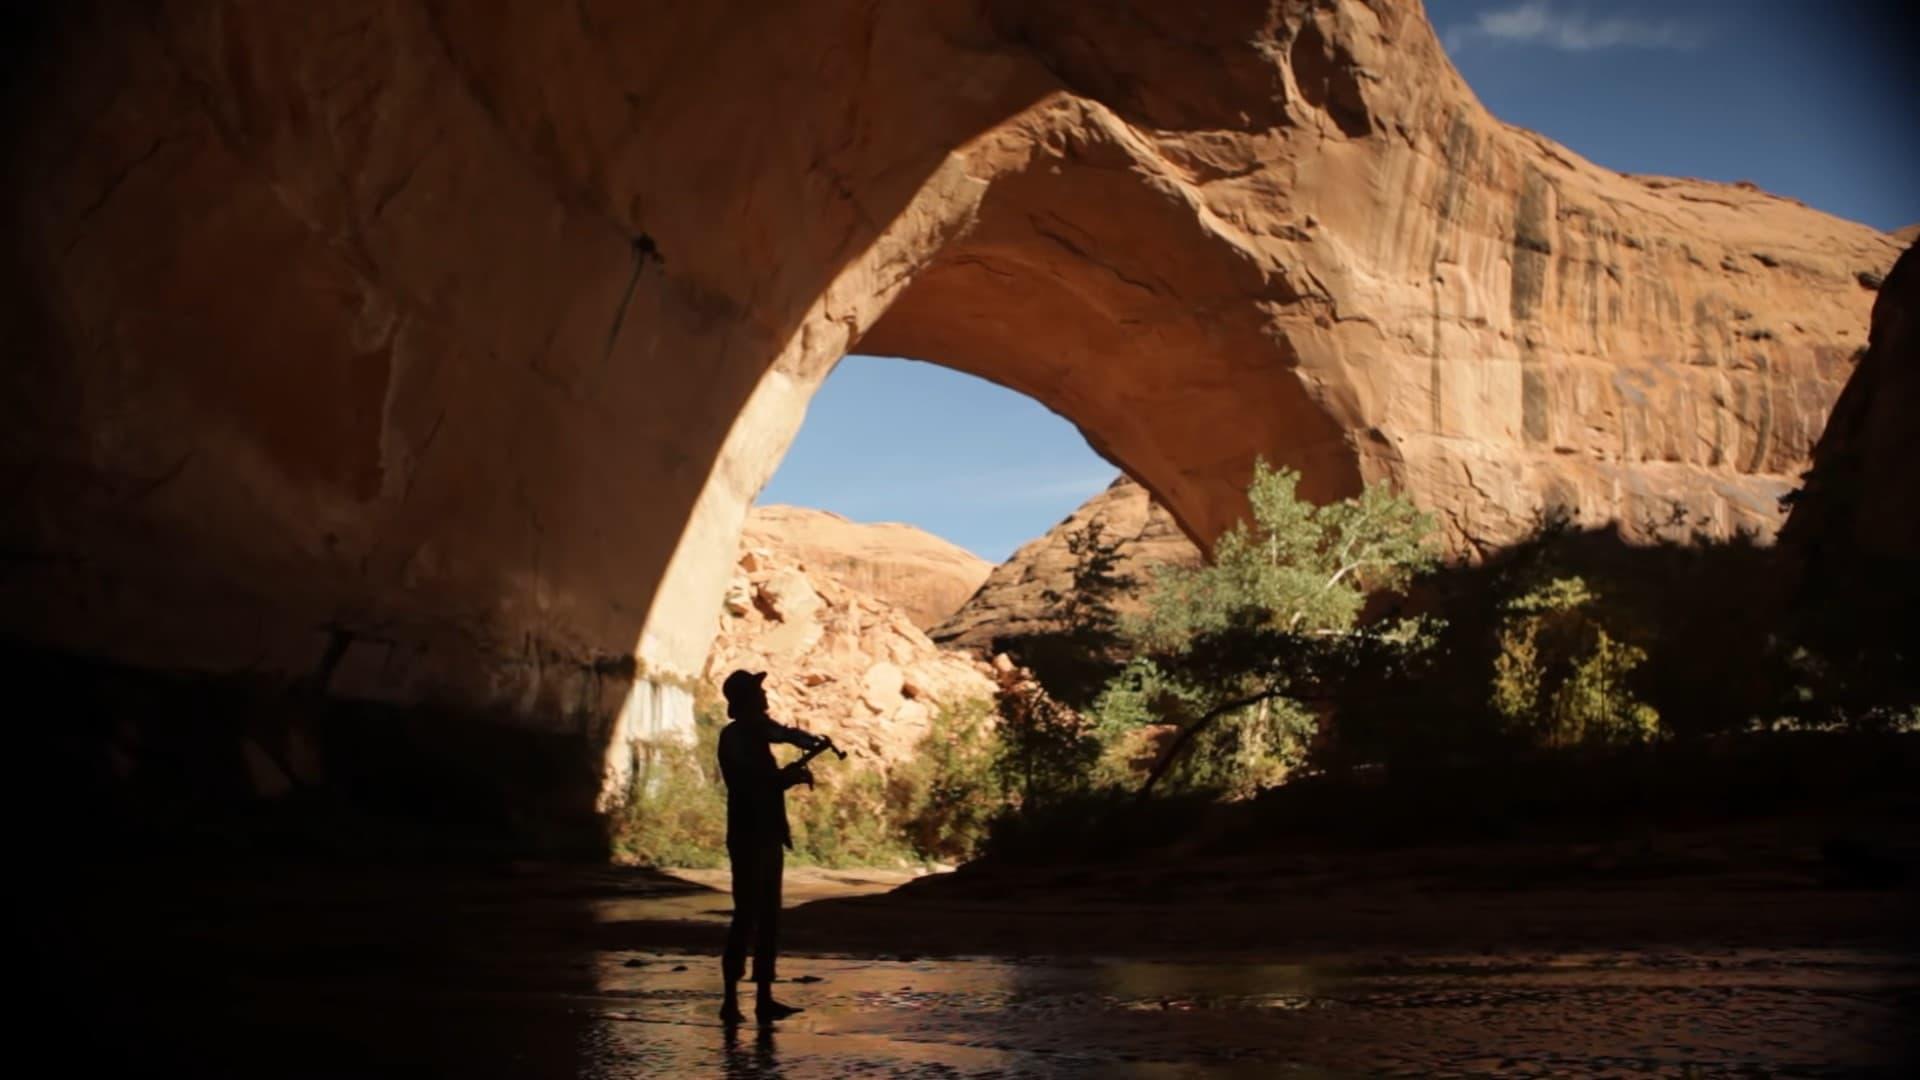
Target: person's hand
[{"x": 797, "y": 774}]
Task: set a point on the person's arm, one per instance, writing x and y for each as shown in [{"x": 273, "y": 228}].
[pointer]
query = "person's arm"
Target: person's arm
[
  {"x": 794, "y": 775},
  {"x": 748, "y": 771}
]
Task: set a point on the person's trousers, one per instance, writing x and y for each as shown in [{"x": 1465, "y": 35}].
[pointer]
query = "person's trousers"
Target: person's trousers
[{"x": 756, "y": 910}]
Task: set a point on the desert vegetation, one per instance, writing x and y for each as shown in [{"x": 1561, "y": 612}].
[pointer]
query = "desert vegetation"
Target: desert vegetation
[
  {"x": 934, "y": 808},
  {"x": 1328, "y": 645}
]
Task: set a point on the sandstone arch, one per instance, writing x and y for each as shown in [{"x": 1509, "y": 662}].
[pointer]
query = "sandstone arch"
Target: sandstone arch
[{"x": 431, "y": 351}]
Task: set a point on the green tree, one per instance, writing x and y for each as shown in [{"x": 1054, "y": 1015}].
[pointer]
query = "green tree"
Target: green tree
[
  {"x": 1272, "y": 619},
  {"x": 1074, "y": 661},
  {"x": 1046, "y": 749},
  {"x": 1297, "y": 568},
  {"x": 1087, "y": 608}
]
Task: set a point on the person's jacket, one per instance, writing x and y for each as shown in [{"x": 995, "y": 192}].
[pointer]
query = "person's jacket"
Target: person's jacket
[{"x": 756, "y": 789}]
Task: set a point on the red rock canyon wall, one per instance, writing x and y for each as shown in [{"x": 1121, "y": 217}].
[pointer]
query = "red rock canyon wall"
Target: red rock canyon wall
[{"x": 440, "y": 347}]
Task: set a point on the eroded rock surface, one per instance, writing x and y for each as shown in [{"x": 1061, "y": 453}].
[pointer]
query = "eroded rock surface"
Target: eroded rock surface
[
  {"x": 839, "y": 661},
  {"x": 434, "y": 351},
  {"x": 925, "y": 577},
  {"x": 1013, "y": 602}
]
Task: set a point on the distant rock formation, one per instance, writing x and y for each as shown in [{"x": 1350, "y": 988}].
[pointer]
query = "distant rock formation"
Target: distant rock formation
[
  {"x": 839, "y": 661},
  {"x": 1012, "y": 603},
  {"x": 926, "y": 577}
]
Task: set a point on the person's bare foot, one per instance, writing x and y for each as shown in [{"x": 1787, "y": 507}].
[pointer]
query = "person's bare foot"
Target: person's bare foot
[
  {"x": 769, "y": 1010},
  {"x": 730, "y": 1012}
]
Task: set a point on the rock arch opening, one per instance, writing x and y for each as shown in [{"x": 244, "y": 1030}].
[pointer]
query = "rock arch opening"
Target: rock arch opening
[
  {"x": 422, "y": 352},
  {"x": 1053, "y": 290},
  {"x": 889, "y": 439}
]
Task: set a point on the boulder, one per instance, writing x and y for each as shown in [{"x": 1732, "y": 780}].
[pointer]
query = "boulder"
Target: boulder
[
  {"x": 838, "y": 662},
  {"x": 880, "y": 688}
]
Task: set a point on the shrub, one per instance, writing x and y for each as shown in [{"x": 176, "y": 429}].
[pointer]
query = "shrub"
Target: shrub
[
  {"x": 846, "y": 820},
  {"x": 1561, "y": 678},
  {"x": 1045, "y": 749},
  {"x": 675, "y": 812},
  {"x": 944, "y": 799},
  {"x": 936, "y": 806}
]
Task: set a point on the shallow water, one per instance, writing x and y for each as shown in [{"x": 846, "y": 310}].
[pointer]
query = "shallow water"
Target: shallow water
[
  {"x": 1773, "y": 1013},
  {"x": 526, "y": 976}
]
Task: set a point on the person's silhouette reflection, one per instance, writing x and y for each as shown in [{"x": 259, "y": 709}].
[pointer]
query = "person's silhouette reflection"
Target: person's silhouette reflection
[
  {"x": 757, "y": 838},
  {"x": 763, "y": 1062}
]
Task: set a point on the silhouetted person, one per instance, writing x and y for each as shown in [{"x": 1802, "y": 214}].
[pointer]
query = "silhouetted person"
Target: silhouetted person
[{"x": 757, "y": 837}]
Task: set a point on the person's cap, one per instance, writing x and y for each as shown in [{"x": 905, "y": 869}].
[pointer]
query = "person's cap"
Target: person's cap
[{"x": 740, "y": 682}]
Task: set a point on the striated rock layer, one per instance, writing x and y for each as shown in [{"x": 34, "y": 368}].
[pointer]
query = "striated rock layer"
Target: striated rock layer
[
  {"x": 1013, "y": 602},
  {"x": 434, "y": 350},
  {"x": 925, "y": 577}
]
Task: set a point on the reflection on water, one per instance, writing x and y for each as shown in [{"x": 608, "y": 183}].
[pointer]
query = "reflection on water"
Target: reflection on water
[
  {"x": 1801, "y": 1012},
  {"x": 433, "y": 974}
]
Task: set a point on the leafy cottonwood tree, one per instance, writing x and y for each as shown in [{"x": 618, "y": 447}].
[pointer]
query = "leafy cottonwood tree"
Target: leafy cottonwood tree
[{"x": 1274, "y": 613}]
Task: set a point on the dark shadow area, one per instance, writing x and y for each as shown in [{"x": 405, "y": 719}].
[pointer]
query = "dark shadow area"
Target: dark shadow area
[
  {"x": 129, "y": 763},
  {"x": 1843, "y": 801},
  {"x": 1737, "y": 637},
  {"x": 289, "y": 968}
]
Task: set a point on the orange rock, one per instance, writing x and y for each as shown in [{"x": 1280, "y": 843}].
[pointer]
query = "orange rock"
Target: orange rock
[
  {"x": 1012, "y": 602},
  {"x": 477, "y": 327},
  {"x": 919, "y": 574},
  {"x": 876, "y": 693}
]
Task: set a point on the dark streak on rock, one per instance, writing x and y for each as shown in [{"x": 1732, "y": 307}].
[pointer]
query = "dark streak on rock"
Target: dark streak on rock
[{"x": 644, "y": 251}]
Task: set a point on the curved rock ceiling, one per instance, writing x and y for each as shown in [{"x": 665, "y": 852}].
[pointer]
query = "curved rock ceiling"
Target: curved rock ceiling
[{"x": 435, "y": 349}]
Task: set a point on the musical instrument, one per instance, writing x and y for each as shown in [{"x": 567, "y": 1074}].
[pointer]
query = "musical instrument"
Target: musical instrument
[{"x": 821, "y": 746}]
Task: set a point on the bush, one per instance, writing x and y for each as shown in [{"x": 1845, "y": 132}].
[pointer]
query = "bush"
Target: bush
[
  {"x": 846, "y": 820},
  {"x": 1045, "y": 749},
  {"x": 675, "y": 812},
  {"x": 1560, "y": 678},
  {"x": 948, "y": 795},
  {"x": 936, "y": 806}
]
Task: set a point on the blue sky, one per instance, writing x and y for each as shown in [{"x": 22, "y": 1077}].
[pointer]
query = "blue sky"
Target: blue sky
[{"x": 1819, "y": 101}]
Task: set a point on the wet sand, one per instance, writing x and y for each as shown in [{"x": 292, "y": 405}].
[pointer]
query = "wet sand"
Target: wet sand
[{"x": 1196, "y": 970}]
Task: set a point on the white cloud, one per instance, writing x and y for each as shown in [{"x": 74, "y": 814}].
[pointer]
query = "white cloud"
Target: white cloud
[
  {"x": 1008, "y": 486},
  {"x": 1537, "y": 22}
]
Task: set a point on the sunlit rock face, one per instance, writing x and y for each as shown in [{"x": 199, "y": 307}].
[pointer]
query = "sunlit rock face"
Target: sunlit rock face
[
  {"x": 841, "y": 660},
  {"x": 1015, "y": 600},
  {"x": 921, "y": 575},
  {"x": 464, "y": 334}
]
